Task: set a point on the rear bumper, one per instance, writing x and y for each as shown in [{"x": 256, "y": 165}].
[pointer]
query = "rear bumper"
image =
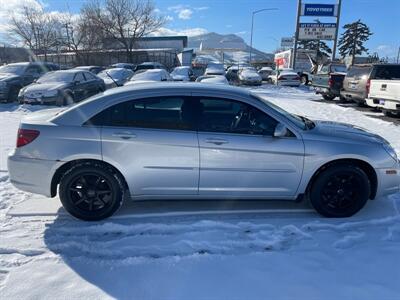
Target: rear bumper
[
  {"x": 391, "y": 105},
  {"x": 32, "y": 175},
  {"x": 357, "y": 97},
  {"x": 288, "y": 83}
]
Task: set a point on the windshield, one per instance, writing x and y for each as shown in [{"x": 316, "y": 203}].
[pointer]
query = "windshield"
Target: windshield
[
  {"x": 114, "y": 73},
  {"x": 339, "y": 68},
  {"x": 57, "y": 77},
  {"x": 13, "y": 69},
  {"x": 180, "y": 71},
  {"x": 300, "y": 122},
  {"x": 152, "y": 76}
]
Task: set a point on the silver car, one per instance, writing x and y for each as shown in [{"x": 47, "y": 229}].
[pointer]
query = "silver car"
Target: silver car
[{"x": 196, "y": 141}]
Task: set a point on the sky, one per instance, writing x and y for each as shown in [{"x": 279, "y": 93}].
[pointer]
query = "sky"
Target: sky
[{"x": 191, "y": 17}]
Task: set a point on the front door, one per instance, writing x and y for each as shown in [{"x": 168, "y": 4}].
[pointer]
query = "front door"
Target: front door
[
  {"x": 239, "y": 155},
  {"x": 153, "y": 143}
]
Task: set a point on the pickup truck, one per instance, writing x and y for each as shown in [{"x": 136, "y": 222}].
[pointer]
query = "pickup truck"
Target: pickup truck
[
  {"x": 385, "y": 94},
  {"x": 329, "y": 80}
]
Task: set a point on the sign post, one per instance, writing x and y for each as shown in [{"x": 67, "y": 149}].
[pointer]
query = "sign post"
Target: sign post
[
  {"x": 337, "y": 30},
  {"x": 296, "y": 35}
]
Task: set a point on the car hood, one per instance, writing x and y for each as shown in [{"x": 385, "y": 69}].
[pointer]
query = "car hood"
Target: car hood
[
  {"x": 42, "y": 87},
  {"x": 336, "y": 130},
  {"x": 6, "y": 76},
  {"x": 139, "y": 82}
]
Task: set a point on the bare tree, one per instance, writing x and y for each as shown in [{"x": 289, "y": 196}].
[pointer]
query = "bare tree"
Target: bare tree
[
  {"x": 124, "y": 21},
  {"x": 36, "y": 29}
]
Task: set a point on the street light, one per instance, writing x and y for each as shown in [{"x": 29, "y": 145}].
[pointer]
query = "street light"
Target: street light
[{"x": 252, "y": 24}]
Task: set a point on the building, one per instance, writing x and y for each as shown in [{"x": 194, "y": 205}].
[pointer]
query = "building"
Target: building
[{"x": 164, "y": 49}]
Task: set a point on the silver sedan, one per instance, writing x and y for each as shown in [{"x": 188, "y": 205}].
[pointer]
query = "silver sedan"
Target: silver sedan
[{"x": 196, "y": 141}]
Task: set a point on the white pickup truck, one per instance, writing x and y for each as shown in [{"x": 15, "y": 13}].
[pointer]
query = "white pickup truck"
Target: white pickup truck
[{"x": 385, "y": 94}]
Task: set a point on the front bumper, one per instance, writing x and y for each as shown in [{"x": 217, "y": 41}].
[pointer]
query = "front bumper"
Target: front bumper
[
  {"x": 32, "y": 175},
  {"x": 388, "y": 180},
  {"x": 39, "y": 100}
]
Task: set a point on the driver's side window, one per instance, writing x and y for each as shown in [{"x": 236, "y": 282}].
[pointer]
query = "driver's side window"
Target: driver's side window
[{"x": 229, "y": 116}]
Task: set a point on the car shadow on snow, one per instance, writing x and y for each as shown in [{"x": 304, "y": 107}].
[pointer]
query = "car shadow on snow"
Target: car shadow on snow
[{"x": 145, "y": 237}]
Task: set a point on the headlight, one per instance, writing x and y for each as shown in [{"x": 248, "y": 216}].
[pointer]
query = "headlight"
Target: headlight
[
  {"x": 389, "y": 149},
  {"x": 51, "y": 93},
  {"x": 21, "y": 92}
]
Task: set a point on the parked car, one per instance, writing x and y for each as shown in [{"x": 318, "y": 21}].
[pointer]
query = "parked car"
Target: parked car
[
  {"x": 182, "y": 73},
  {"x": 215, "y": 69},
  {"x": 357, "y": 82},
  {"x": 264, "y": 72},
  {"x": 213, "y": 79},
  {"x": 285, "y": 77},
  {"x": 149, "y": 75},
  {"x": 62, "y": 88},
  {"x": 384, "y": 92},
  {"x": 329, "y": 80},
  {"x": 232, "y": 74},
  {"x": 15, "y": 76},
  {"x": 196, "y": 141},
  {"x": 129, "y": 66},
  {"x": 115, "y": 76},
  {"x": 93, "y": 69},
  {"x": 149, "y": 66},
  {"x": 249, "y": 77}
]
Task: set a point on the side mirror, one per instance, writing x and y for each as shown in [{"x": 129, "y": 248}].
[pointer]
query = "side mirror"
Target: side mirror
[{"x": 280, "y": 130}]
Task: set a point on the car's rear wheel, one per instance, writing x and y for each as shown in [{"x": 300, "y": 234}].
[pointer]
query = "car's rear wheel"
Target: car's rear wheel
[
  {"x": 328, "y": 97},
  {"x": 13, "y": 94},
  {"x": 304, "y": 80},
  {"x": 91, "y": 192},
  {"x": 340, "y": 191}
]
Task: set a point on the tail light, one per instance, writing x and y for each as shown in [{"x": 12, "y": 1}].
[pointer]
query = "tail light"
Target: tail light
[
  {"x": 26, "y": 136},
  {"x": 367, "y": 87},
  {"x": 330, "y": 82}
]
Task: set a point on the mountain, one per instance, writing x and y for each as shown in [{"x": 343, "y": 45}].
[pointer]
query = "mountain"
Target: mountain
[{"x": 233, "y": 47}]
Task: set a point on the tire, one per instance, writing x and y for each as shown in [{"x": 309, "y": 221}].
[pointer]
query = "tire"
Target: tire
[
  {"x": 304, "y": 80},
  {"x": 388, "y": 113},
  {"x": 66, "y": 100},
  {"x": 340, "y": 191},
  {"x": 91, "y": 192},
  {"x": 328, "y": 97}
]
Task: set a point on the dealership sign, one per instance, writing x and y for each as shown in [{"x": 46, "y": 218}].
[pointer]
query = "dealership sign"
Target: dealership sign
[
  {"x": 317, "y": 31},
  {"x": 319, "y": 10},
  {"x": 287, "y": 42}
]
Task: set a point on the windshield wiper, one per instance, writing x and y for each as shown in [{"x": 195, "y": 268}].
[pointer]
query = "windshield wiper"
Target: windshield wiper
[{"x": 112, "y": 79}]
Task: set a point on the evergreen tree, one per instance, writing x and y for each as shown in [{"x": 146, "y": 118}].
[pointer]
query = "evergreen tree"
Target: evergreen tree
[
  {"x": 321, "y": 47},
  {"x": 352, "y": 41}
]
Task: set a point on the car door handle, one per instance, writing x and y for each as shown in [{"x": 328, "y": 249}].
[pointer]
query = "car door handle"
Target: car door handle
[
  {"x": 126, "y": 135},
  {"x": 216, "y": 141}
]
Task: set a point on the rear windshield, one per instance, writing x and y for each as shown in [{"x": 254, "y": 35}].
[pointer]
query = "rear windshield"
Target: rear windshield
[
  {"x": 358, "y": 71},
  {"x": 388, "y": 72}
]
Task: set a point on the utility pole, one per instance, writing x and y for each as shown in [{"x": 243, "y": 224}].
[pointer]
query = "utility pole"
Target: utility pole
[
  {"x": 296, "y": 35},
  {"x": 398, "y": 56},
  {"x": 339, "y": 7}
]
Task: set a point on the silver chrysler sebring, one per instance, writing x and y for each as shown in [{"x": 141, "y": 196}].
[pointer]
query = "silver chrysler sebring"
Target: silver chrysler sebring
[{"x": 196, "y": 141}]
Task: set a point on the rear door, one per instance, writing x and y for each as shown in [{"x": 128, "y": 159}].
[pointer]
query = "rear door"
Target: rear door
[
  {"x": 92, "y": 85},
  {"x": 154, "y": 144},
  {"x": 239, "y": 156},
  {"x": 79, "y": 87}
]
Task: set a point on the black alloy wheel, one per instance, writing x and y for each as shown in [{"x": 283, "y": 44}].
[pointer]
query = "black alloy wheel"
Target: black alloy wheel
[
  {"x": 340, "y": 191},
  {"x": 91, "y": 192}
]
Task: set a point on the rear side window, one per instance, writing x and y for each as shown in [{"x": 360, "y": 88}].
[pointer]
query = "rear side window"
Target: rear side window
[
  {"x": 159, "y": 113},
  {"x": 358, "y": 71},
  {"x": 387, "y": 72}
]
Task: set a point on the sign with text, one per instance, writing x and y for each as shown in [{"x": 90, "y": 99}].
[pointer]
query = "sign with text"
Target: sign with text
[
  {"x": 319, "y": 10},
  {"x": 317, "y": 31},
  {"x": 287, "y": 42}
]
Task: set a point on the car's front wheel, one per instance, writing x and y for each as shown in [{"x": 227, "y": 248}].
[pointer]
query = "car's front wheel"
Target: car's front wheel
[
  {"x": 91, "y": 192},
  {"x": 340, "y": 191}
]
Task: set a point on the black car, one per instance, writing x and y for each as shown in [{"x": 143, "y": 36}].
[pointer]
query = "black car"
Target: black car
[
  {"x": 149, "y": 66},
  {"x": 93, "y": 69},
  {"x": 62, "y": 88},
  {"x": 15, "y": 76}
]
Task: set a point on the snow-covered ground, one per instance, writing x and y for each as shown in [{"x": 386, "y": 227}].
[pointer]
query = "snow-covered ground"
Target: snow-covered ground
[{"x": 253, "y": 255}]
